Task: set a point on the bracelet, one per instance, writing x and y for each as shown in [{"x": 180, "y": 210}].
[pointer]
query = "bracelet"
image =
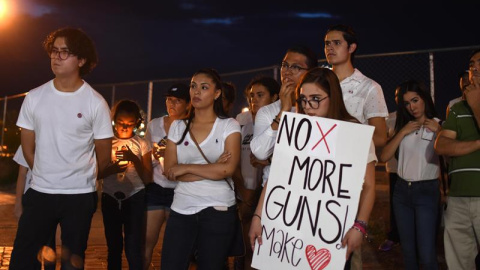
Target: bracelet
[
  {"x": 359, "y": 228},
  {"x": 364, "y": 233},
  {"x": 362, "y": 223},
  {"x": 276, "y": 120},
  {"x": 255, "y": 215}
]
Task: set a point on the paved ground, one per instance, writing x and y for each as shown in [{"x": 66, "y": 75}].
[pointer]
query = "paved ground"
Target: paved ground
[{"x": 97, "y": 250}]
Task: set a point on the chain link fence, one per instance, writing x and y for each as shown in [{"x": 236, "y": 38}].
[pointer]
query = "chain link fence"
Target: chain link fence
[{"x": 438, "y": 69}]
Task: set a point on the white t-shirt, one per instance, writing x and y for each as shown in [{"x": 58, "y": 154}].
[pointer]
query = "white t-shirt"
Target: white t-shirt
[
  {"x": 20, "y": 159},
  {"x": 363, "y": 97},
  {"x": 417, "y": 159},
  {"x": 192, "y": 197},
  {"x": 155, "y": 133},
  {"x": 250, "y": 174},
  {"x": 244, "y": 118},
  {"x": 65, "y": 125},
  {"x": 128, "y": 182},
  {"x": 264, "y": 136}
]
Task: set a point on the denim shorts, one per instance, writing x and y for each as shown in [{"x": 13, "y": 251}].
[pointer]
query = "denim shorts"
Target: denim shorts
[{"x": 158, "y": 197}]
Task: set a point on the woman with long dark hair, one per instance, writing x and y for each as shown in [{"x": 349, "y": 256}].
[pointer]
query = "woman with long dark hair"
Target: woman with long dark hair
[
  {"x": 416, "y": 195},
  {"x": 319, "y": 94},
  {"x": 202, "y": 216}
]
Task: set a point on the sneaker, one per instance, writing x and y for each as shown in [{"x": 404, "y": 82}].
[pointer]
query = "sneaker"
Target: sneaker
[{"x": 387, "y": 245}]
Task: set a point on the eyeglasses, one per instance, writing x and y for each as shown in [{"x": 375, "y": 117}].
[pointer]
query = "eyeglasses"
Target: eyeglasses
[
  {"x": 63, "y": 54},
  {"x": 294, "y": 68},
  {"x": 314, "y": 102}
]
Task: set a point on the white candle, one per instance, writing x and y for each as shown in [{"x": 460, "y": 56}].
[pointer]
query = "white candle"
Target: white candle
[{"x": 161, "y": 161}]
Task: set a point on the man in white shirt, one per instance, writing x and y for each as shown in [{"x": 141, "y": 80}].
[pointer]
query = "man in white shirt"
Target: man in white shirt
[
  {"x": 66, "y": 140},
  {"x": 363, "y": 96},
  {"x": 296, "y": 62}
]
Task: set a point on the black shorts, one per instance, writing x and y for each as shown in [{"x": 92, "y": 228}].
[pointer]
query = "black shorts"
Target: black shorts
[{"x": 158, "y": 197}]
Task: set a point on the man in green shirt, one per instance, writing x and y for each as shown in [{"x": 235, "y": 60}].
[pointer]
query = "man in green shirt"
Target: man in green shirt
[{"x": 460, "y": 140}]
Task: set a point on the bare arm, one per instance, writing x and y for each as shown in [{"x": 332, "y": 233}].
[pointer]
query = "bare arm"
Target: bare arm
[
  {"x": 147, "y": 168},
  {"x": 239, "y": 183},
  {"x": 388, "y": 150},
  {"x": 21, "y": 181},
  {"x": 102, "y": 151},
  {"x": 446, "y": 144},
  {"x": 286, "y": 95},
  {"x": 255, "y": 232},
  {"x": 28, "y": 145},
  {"x": 143, "y": 166},
  {"x": 213, "y": 171},
  {"x": 367, "y": 197},
  {"x": 353, "y": 239},
  {"x": 170, "y": 156},
  {"x": 472, "y": 95},
  {"x": 380, "y": 133},
  {"x": 170, "y": 161}
]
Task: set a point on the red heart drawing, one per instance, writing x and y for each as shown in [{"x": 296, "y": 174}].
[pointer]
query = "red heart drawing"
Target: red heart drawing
[{"x": 318, "y": 259}]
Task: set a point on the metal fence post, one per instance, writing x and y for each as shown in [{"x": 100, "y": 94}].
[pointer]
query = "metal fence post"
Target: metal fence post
[
  {"x": 431, "y": 64},
  {"x": 112, "y": 102},
  {"x": 149, "y": 102}
]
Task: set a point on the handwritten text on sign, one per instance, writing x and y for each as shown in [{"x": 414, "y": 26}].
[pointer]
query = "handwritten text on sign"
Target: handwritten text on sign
[{"x": 312, "y": 193}]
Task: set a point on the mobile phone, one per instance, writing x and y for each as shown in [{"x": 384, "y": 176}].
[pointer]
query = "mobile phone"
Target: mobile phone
[{"x": 162, "y": 143}]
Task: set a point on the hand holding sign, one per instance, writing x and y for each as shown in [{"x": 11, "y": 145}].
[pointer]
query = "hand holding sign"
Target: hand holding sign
[
  {"x": 311, "y": 198},
  {"x": 352, "y": 240}
]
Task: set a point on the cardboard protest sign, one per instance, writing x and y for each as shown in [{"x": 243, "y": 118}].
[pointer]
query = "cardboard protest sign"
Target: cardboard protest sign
[{"x": 312, "y": 193}]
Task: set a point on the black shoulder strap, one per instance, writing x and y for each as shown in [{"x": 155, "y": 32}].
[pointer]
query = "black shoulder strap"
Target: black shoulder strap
[
  {"x": 203, "y": 155},
  {"x": 198, "y": 146}
]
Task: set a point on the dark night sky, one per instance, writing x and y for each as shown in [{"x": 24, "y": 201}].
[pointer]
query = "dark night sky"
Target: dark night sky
[{"x": 142, "y": 40}]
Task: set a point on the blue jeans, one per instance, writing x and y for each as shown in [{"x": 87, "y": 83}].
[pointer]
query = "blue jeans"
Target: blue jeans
[
  {"x": 42, "y": 213},
  {"x": 121, "y": 221},
  {"x": 416, "y": 207},
  {"x": 209, "y": 231}
]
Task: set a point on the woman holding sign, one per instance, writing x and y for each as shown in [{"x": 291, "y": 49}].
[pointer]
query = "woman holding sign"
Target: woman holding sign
[
  {"x": 319, "y": 94},
  {"x": 203, "y": 211},
  {"x": 417, "y": 195}
]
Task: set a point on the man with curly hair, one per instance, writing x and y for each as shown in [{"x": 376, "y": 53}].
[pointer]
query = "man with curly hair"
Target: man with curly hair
[{"x": 66, "y": 138}]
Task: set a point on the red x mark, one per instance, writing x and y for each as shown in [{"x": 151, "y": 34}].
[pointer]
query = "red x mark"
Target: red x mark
[{"x": 323, "y": 137}]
